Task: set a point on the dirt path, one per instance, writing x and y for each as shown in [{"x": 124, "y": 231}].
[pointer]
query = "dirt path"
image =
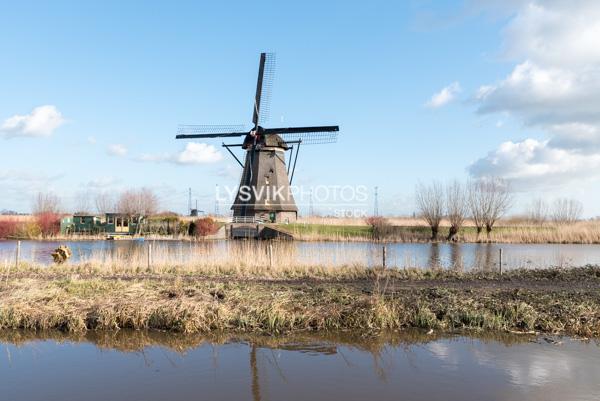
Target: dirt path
[{"x": 572, "y": 280}]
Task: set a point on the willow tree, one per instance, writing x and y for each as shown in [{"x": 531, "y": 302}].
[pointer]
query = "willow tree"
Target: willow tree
[
  {"x": 456, "y": 207},
  {"x": 489, "y": 199},
  {"x": 566, "y": 211},
  {"x": 430, "y": 203}
]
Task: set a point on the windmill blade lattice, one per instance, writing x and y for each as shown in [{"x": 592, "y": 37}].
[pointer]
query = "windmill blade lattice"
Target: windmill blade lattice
[
  {"x": 210, "y": 129},
  {"x": 267, "y": 88},
  {"x": 310, "y": 138}
]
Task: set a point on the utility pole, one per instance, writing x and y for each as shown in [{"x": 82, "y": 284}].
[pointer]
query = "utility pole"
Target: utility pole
[
  {"x": 376, "y": 203},
  {"x": 217, "y": 200},
  {"x": 189, "y": 201}
]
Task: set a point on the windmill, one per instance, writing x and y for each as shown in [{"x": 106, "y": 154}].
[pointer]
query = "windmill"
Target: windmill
[{"x": 264, "y": 193}]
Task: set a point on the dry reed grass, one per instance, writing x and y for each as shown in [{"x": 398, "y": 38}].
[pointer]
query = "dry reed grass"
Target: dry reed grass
[
  {"x": 239, "y": 259},
  {"x": 564, "y": 302},
  {"x": 513, "y": 230},
  {"x": 585, "y": 232},
  {"x": 19, "y": 217},
  {"x": 401, "y": 221}
]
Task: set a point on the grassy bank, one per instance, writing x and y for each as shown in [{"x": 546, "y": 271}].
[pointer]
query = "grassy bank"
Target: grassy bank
[
  {"x": 556, "y": 301},
  {"x": 414, "y": 230}
]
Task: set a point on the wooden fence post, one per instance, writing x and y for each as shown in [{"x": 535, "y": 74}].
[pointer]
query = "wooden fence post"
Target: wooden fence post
[
  {"x": 500, "y": 260},
  {"x": 18, "y": 254},
  {"x": 270, "y": 255},
  {"x": 383, "y": 256}
]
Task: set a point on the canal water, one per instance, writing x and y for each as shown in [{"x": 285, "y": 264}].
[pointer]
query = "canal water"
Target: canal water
[
  {"x": 137, "y": 366},
  {"x": 401, "y": 255}
]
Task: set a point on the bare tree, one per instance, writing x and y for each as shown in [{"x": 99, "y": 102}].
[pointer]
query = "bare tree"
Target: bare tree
[
  {"x": 142, "y": 202},
  {"x": 430, "y": 203},
  {"x": 566, "y": 211},
  {"x": 105, "y": 203},
  {"x": 82, "y": 203},
  {"x": 148, "y": 202},
  {"x": 498, "y": 201},
  {"x": 46, "y": 209},
  {"x": 537, "y": 213},
  {"x": 476, "y": 204},
  {"x": 456, "y": 207},
  {"x": 489, "y": 200},
  {"x": 46, "y": 203}
]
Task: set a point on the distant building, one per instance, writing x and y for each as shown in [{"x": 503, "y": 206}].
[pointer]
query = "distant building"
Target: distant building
[{"x": 111, "y": 223}]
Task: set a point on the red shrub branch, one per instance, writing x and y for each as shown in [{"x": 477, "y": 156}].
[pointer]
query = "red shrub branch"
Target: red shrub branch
[
  {"x": 8, "y": 228},
  {"x": 48, "y": 222}
]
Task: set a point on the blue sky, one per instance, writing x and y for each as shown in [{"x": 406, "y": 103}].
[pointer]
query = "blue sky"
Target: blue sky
[{"x": 115, "y": 80}]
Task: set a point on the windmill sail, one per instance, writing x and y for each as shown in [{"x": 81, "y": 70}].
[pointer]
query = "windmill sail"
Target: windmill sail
[
  {"x": 210, "y": 131},
  {"x": 307, "y": 135},
  {"x": 264, "y": 89}
]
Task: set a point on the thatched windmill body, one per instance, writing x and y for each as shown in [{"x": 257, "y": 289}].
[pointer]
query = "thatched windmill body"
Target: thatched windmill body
[{"x": 264, "y": 193}]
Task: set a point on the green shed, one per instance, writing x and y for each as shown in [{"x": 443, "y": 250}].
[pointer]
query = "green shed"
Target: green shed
[
  {"x": 119, "y": 223},
  {"x": 81, "y": 224}
]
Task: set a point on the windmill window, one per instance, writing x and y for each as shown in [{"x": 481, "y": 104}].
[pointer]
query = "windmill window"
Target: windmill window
[
  {"x": 110, "y": 220},
  {"x": 125, "y": 222}
]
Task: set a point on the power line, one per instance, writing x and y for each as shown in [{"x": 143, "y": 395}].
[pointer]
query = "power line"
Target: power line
[
  {"x": 376, "y": 203},
  {"x": 190, "y": 201}
]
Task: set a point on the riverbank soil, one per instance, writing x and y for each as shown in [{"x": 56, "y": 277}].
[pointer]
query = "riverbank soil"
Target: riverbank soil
[{"x": 558, "y": 301}]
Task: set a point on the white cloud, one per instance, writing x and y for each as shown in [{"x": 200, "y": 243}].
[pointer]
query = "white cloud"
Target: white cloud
[
  {"x": 445, "y": 96},
  {"x": 194, "y": 153},
  {"x": 544, "y": 95},
  {"x": 555, "y": 87},
  {"x": 116, "y": 150},
  {"x": 41, "y": 122},
  {"x": 530, "y": 163},
  {"x": 92, "y": 140},
  {"x": 555, "y": 32}
]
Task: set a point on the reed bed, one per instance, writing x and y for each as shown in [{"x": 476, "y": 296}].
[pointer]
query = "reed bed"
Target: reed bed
[
  {"x": 240, "y": 259},
  {"x": 282, "y": 258},
  {"x": 412, "y": 230},
  {"x": 578, "y": 233}
]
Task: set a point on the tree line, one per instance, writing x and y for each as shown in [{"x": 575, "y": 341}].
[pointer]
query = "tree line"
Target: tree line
[
  {"x": 484, "y": 202},
  {"x": 561, "y": 211},
  {"x": 131, "y": 202}
]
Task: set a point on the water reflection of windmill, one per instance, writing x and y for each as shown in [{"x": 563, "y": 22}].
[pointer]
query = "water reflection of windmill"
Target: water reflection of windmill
[
  {"x": 312, "y": 348},
  {"x": 264, "y": 193}
]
